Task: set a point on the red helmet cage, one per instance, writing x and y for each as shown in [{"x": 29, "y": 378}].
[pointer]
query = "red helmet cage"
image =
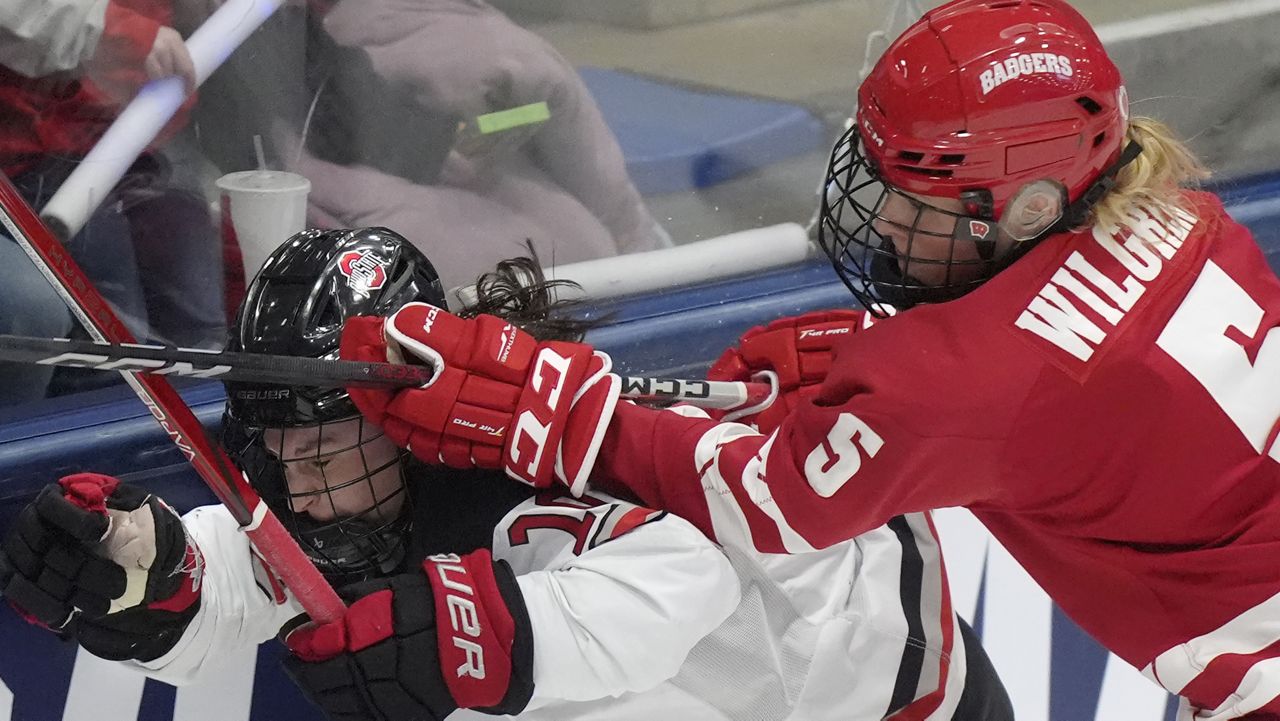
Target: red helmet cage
[{"x": 992, "y": 95}]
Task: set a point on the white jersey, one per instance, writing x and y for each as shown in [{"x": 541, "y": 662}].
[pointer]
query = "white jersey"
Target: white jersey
[
  {"x": 860, "y": 630},
  {"x": 635, "y": 615},
  {"x": 580, "y": 569}
]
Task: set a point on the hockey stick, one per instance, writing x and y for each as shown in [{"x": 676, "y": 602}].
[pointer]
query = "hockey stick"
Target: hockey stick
[
  {"x": 272, "y": 541},
  {"x": 290, "y": 370}
]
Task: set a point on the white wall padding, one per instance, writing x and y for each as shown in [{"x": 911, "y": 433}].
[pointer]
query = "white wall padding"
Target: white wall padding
[{"x": 741, "y": 253}]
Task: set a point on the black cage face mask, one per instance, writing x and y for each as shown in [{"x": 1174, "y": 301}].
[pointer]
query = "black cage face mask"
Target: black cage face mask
[
  {"x": 893, "y": 249},
  {"x": 340, "y": 494},
  {"x": 348, "y": 505}
]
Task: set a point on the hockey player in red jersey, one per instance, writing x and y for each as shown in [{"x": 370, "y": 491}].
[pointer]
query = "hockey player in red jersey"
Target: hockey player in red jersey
[
  {"x": 470, "y": 592},
  {"x": 1085, "y": 357}
]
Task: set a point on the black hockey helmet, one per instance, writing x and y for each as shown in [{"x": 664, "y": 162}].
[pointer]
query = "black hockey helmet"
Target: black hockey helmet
[{"x": 296, "y": 305}]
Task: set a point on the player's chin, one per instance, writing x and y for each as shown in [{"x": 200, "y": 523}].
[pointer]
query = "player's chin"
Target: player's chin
[{"x": 323, "y": 517}]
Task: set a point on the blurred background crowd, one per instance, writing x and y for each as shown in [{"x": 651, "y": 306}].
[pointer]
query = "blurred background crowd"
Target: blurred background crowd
[{"x": 586, "y": 128}]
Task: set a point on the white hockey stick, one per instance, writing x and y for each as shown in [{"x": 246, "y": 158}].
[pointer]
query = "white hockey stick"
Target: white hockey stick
[{"x": 143, "y": 118}]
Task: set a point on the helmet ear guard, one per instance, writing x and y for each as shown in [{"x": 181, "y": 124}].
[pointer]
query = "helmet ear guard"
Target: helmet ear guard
[
  {"x": 1038, "y": 209},
  {"x": 1042, "y": 206},
  {"x": 1034, "y": 209}
]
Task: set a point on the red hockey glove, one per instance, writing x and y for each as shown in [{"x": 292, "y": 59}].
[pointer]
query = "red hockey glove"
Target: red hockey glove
[
  {"x": 798, "y": 350},
  {"x": 416, "y": 646},
  {"x": 105, "y": 562},
  {"x": 499, "y": 398}
]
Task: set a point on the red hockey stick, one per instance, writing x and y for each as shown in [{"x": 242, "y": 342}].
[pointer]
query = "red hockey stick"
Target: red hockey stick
[{"x": 271, "y": 539}]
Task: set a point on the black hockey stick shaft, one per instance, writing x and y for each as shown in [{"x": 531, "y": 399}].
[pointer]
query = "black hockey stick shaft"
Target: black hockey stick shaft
[
  {"x": 195, "y": 363},
  {"x": 290, "y": 370},
  {"x": 277, "y": 547}
]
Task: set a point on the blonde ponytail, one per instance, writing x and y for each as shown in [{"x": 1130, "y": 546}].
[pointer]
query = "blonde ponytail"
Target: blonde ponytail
[{"x": 1155, "y": 177}]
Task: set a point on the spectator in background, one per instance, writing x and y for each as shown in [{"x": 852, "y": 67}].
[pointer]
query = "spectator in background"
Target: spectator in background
[
  {"x": 28, "y": 306},
  {"x": 387, "y": 84},
  {"x": 67, "y": 67},
  {"x": 566, "y": 185}
]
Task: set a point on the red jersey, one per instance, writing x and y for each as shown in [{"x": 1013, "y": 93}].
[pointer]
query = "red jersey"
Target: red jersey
[
  {"x": 47, "y": 117},
  {"x": 1108, "y": 406}
]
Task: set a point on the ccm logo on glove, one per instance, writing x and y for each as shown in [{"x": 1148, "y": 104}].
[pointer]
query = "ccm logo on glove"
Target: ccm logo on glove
[
  {"x": 533, "y": 425},
  {"x": 430, "y": 320},
  {"x": 500, "y": 398}
]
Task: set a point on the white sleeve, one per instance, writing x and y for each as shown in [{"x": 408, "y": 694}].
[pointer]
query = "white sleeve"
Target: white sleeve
[
  {"x": 622, "y": 614},
  {"x": 38, "y": 38},
  {"x": 235, "y": 611}
]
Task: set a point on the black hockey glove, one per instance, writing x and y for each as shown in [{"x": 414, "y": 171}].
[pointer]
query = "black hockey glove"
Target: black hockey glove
[
  {"x": 104, "y": 562},
  {"x": 387, "y": 660}
]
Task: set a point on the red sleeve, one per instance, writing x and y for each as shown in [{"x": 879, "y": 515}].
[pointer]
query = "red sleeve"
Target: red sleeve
[
  {"x": 626, "y": 465},
  {"x": 127, "y": 37},
  {"x": 880, "y": 439},
  {"x": 128, "y": 33}
]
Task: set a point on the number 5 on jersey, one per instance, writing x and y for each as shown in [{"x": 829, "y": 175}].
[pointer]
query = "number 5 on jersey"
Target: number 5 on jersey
[
  {"x": 1204, "y": 336},
  {"x": 829, "y": 466}
]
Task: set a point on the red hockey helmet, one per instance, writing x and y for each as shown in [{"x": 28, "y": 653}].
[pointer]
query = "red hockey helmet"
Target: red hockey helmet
[
  {"x": 993, "y": 94},
  {"x": 975, "y": 102}
]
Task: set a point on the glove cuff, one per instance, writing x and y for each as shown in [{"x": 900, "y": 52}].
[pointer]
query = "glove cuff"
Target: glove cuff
[
  {"x": 479, "y": 622},
  {"x": 588, "y": 420},
  {"x": 139, "y": 634}
]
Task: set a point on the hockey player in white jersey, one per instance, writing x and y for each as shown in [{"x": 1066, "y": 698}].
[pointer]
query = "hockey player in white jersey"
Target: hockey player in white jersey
[{"x": 482, "y": 596}]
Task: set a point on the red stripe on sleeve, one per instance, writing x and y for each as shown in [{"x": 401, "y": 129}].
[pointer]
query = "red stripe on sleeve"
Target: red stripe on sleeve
[{"x": 1223, "y": 677}]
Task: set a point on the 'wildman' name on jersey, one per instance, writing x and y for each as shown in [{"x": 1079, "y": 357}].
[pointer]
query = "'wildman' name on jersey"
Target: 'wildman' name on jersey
[{"x": 1135, "y": 255}]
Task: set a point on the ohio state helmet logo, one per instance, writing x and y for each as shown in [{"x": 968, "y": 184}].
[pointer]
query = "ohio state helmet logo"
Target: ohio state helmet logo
[{"x": 364, "y": 270}]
